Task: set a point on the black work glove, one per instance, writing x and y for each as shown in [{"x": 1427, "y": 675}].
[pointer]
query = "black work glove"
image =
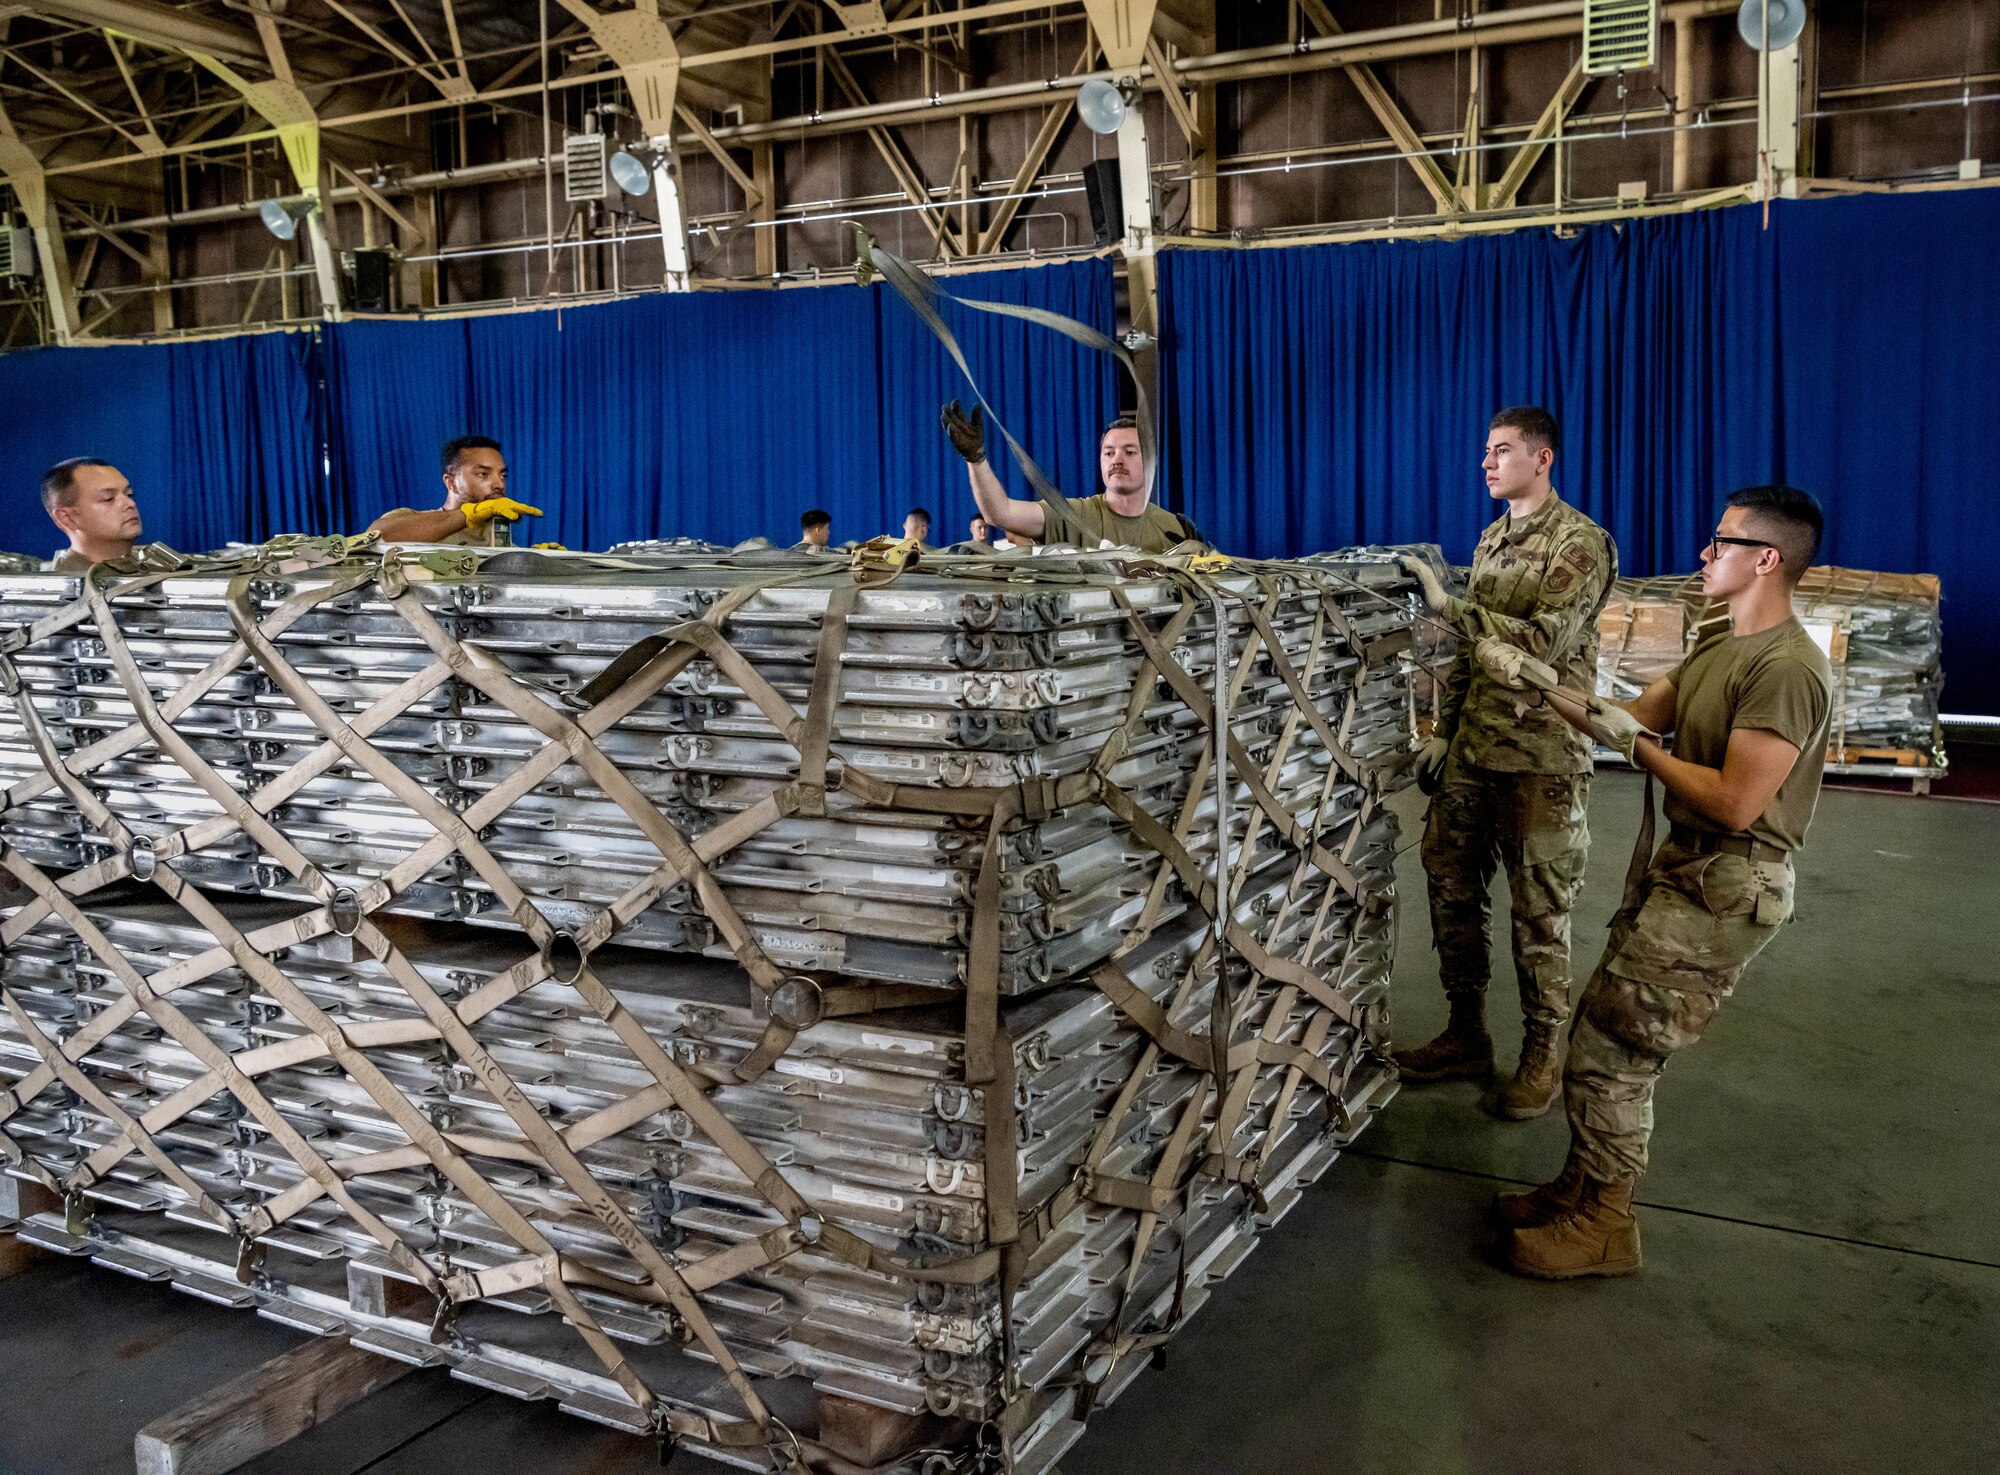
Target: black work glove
[{"x": 967, "y": 432}]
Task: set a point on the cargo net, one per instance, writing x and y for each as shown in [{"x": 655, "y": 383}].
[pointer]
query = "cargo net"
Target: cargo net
[
  {"x": 775, "y": 1004},
  {"x": 1433, "y": 646},
  {"x": 1882, "y": 634}
]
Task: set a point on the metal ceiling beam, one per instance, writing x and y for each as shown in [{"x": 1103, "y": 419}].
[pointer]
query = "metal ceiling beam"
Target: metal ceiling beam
[
  {"x": 281, "y": 104},
  {"x": 152, "y": 143},
  {"x": 1177, "y": 101},
  {"x": 161, "y": 25},
  {"x": 1539, "y": 137},
  {"x": 1391, "y": 117},
  {"x": 908, "y": 178},
  {"x": 75, "y": 98},
  {"x": 1031, "y": 163},
  {"x": 451, "y": 85},
  {"x": 23, "y": 171},
  {"x": 1383, "y": 44},
  {"x": 641, "y": 42}
]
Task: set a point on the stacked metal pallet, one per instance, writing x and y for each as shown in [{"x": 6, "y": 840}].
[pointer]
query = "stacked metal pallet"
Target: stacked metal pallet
[
  {"x": 353, "y": 962},
  {"x": 1432, "y": 645},
  {"x": 1645, "y": 628},
  {"x": 1892, "y": 681},
  {"x": 1881, "y": 632}
]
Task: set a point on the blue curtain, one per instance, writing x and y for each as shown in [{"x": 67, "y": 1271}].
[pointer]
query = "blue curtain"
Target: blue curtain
[
  {"x": 718, "y": 415},
  {"x": 1322, "y": 396},
  {"x": 395, "y": 393},
  {"x": 1313, "y": 397},
  {"x": 1054, "y": 395},
  {"x": 220, "y": 438}
]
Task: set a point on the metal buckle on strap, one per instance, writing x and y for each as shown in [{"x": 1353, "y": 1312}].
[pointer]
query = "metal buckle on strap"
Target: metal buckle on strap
[{"x": 1038, "y": 799}]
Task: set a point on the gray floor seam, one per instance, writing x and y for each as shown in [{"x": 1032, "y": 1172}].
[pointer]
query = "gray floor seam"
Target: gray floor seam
[
  {"x": 427, "y": 1429},
  {"x": 1638, "y": 1203}
]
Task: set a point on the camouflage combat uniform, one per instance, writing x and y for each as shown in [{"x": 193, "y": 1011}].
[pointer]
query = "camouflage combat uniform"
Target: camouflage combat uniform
[
  {"x": 1709, "y": 901},
  {"x": 1516, "y": 783}
]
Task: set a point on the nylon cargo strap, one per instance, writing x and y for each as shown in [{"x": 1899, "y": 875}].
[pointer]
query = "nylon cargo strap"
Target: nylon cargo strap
[
  {"x": 413, "y": 1122},
  {"x": 642, "y": 670},
  {"x": 438, "y": 1147},
  {"x": 1197, "y": 701},
  {"x": 721, "y": 1269},
  {"x": 1642, "y": 854},
  {"x": 922, "y": 294}
]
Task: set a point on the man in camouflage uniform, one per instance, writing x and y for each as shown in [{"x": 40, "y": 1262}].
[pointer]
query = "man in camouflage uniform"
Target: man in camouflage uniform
[
  {"x": 1749, "y": 710},
  {"x": 96, "y": 509},
  {"x": 1511, "y": 782}
]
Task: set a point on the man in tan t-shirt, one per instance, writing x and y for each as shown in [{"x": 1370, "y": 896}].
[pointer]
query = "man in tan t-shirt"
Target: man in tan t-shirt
[
  {"x": 1749, "y": 710},
  {"x": 475, "y": 501},
  {"x": 1123, "y": 515}
]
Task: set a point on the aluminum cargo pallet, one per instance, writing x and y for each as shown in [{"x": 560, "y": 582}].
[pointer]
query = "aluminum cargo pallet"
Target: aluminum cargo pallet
[{"x": 715, "y": 993}]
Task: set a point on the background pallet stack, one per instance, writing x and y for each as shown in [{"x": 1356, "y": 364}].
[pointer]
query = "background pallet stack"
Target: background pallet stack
[
  {"x": 773, "y": 1005},
  {"x": 1891, "y": 683},
  {"x": 1883, "y": 634}
]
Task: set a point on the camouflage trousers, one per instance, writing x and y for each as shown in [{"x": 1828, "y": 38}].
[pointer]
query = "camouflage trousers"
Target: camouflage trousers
[
  {"x": 1535, "y": 825},
  {"x": 1674, "y": 956}
]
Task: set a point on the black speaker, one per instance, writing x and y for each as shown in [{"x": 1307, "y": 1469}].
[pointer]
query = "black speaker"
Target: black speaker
[
  {"x": 374, "y": 281},
  {"x": 1104, "y": 190}
]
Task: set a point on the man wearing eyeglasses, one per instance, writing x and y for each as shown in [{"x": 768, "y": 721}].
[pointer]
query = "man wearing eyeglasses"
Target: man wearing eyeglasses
[
  {"x": 1510, "y": 783},
  {"x": 1749, "y": 710}
]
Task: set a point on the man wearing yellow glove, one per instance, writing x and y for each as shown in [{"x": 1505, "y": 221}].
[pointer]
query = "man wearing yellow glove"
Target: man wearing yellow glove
[{"x": 476, "y": 503}]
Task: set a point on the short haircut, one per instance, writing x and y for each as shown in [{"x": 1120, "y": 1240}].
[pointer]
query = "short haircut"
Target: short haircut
[
  {"x": 923, "y": 512},
  {"x": 1123, "y": 422},
  {"x": 815, "y": 519},
  {"x": 453, "y": 449},
  {"x": 1789, "y": 519},
  {"x": 1534, "y": 423},
  {"x": 59, "y": 481}
]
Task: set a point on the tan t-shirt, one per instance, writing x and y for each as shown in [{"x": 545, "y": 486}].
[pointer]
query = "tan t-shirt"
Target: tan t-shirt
[
  {"x": 1777, "y": 681},
  {"x": 464, "y": 537},
  {"x": 1088, "y": 521}
]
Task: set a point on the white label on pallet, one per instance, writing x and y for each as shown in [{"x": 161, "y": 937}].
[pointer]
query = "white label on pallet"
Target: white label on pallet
[
  {"x": 812, "y": 1070},
  {"x": 846, "y": 1194}
]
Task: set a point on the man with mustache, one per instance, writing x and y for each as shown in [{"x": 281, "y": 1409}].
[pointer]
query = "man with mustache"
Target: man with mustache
[{"x": 1123, "y": 514}]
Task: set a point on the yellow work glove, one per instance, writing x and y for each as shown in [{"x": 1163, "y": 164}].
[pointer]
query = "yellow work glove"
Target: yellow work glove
[{"x": 478, "y": 514}]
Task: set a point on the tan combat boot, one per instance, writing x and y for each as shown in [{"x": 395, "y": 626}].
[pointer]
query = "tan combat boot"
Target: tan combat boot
[
  {"x": 1537, "y": 1080},
  {"x": 1464, "y": 1049},
  {"x": 1597, "y": 1237},
  {"x": 1523, "y": 1207}
]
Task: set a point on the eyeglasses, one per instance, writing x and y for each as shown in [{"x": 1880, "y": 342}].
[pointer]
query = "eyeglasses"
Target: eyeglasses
[{"x": 1716, "y": 540}]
